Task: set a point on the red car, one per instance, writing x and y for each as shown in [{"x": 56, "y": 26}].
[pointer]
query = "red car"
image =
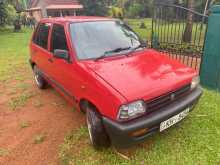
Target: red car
[{"x": 128, "y": 91}]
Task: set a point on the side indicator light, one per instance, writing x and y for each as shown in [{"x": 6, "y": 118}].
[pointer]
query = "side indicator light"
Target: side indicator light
[{"x": 139, "y": 132}]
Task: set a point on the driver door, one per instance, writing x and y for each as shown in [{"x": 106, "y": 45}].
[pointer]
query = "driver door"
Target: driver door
[{"x": 61, "y": 69}]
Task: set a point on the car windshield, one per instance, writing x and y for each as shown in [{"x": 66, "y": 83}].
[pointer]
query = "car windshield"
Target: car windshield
[{"x": 92, "y": 40}]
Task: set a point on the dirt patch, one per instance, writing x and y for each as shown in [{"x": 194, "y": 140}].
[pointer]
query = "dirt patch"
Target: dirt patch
[{"x": 44, "y": 113}]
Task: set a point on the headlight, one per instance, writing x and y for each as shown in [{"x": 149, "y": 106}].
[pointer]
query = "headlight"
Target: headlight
[
  {"x": 195, "y": 82},
  {"x": 132, "y": 110}
]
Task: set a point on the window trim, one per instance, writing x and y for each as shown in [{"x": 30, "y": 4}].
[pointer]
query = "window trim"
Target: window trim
[
  {"x": 36, "y": 32},
  {"x": 71, "y": 51},
  {"x": 50, "y": 47}
]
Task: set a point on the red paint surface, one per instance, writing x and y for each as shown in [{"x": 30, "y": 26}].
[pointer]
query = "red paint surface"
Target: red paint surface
[{"x": 113, "y": 81}]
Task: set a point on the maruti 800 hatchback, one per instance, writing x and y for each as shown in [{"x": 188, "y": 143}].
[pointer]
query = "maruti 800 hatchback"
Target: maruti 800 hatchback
[{"x": 128, "y": 91}]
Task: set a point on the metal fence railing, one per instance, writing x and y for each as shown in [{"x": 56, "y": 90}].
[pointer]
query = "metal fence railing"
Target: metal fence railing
[{"x": 180, "y": 33}]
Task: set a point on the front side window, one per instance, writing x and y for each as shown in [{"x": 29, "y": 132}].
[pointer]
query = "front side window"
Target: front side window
[
  {"x": 58, "y": 38},
  {"x": 93, "y": 39},
  {"x": 41, "y": 36}
]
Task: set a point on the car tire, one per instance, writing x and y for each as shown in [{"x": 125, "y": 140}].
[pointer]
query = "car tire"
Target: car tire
[
  {"x": 97, "y": 133},
  {"x": 39, "y": 80}
]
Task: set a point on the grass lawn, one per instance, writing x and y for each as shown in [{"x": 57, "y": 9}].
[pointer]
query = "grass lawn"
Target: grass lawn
[
  {"x": 144, "y": 33},
  {"x": 193, "y": 141},
  {"x": 168, "y": 32},
  {"x": 13, "y": 52}
]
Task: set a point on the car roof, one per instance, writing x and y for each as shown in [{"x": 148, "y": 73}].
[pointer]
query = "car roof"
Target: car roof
[{"x": 72, "y": 19}]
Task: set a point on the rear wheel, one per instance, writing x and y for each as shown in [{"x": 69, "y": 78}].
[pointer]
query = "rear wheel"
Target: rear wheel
[
  {"x": 97, "y": 133},
  {"x": 40, "y": 81}
]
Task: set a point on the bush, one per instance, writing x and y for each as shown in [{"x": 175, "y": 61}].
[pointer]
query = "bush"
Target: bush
[
  {"x": 116, "y": 12},
  {"x": 11, "y": 15},
  {"x": 7, "y": 14},
  {"x": 143, "y": 26},
  {"x": 3, "y": 13},
  {"x": 135, "y": 10}
]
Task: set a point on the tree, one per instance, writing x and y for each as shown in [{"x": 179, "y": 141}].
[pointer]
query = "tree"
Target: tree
[
  {"x": 9, "y": 11},
  {"x": 3, "y": 13},
  {"x": 187, "y": 36},
  {"x": 95, "y": 7},
  {"x": 18, "y": 5},
  {"x": 135, "y": 10}
]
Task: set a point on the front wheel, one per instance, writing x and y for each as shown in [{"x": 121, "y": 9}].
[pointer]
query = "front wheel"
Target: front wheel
[
  {"x": 97, "y": 133},
  {"x": 40, "y": 81}
]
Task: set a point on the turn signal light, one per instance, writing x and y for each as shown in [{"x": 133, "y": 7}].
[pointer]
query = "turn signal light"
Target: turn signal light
[{"x": 139, "y": 132}]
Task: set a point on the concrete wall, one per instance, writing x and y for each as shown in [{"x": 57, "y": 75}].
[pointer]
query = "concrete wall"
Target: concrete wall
[{"x": 42, "y": 4}]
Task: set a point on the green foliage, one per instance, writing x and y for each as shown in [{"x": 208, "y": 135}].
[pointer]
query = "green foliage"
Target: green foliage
[
  {"x": 135, "y": 10},
  {"x": 11, "y": 14},
  {"x": 138, "y": 8},
  {"x": 94, "y": 8},
  {"x": 9, "y": 10},
  {"x": 3, "y": 13},
  {"x": 217, "y": 2},
  {"x": 116, "y": 12}
]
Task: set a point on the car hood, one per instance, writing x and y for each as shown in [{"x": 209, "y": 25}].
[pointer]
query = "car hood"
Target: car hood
[{"x": 143, "y": 75}]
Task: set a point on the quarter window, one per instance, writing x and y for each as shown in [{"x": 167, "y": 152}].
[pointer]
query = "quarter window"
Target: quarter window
[
  {"x": 41, "y": 37},
  {"x": 58, "y": 38}
]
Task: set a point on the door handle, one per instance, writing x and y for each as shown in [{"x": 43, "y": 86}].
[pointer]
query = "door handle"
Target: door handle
[{"x": 50, "y": 60}]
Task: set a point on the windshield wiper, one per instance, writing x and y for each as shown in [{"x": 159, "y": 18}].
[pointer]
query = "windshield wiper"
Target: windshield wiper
[
  {"x": 137, "y": 47},
  {"x": 117, "y": 50}
]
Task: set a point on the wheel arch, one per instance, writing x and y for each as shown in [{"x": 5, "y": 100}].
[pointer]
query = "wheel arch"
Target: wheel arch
[
  {"x": 83, "y": 103},
  {"x": 32, "y": 64}
]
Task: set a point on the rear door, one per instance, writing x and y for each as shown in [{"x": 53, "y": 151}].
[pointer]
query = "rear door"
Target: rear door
[{"x": 40, "y": 47}]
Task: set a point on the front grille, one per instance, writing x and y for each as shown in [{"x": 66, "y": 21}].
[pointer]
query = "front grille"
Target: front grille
[{"x": 166, "y": 99}]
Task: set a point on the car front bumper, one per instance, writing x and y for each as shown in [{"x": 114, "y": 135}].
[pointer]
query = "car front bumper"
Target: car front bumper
[{"x": 120, "y": 133}]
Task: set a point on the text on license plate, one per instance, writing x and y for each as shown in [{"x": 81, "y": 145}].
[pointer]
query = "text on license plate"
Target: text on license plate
[{"x": 173, "y": 120}]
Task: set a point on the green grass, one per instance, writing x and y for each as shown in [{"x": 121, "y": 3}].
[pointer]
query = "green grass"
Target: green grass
[
  {"x": 3, "y": 152},
  {"x": 13, "y": 53},
  {"x": 20, "y": 101},
  {"x": 24, "y": 124},
  {"x": 145, "y": 34},
  {"x": 193, "y": 141},
  {"x": 38, "y": 139},
  {"x": 22, "y": 86},
  {"x": 169, "y": 32}
]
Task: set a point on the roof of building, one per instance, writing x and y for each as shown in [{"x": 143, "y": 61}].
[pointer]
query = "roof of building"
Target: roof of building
[
  {"x": 54, "y": 4},
  {"x": 77, "y": 6}
]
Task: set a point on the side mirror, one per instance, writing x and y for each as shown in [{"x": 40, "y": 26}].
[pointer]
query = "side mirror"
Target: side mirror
[{"x": 63, "y": 54}]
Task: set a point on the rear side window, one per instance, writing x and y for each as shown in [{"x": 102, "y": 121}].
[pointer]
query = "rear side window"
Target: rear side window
[
  {"x": 41, "y": 35},
  {"x": 58, "y": 38}
]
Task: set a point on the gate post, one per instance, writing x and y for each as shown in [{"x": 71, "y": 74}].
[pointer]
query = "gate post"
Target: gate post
[{"x": 210, "y": 67}]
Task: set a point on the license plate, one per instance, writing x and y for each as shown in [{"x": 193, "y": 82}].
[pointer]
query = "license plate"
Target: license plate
[{"x": 173, "y": 120}]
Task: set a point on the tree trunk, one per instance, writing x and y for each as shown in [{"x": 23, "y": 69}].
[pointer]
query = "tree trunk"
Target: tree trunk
[{"x": 187, "y": 36}]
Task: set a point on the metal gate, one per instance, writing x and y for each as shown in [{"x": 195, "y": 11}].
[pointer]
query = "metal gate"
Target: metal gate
[{"x": 180, "y": 33}]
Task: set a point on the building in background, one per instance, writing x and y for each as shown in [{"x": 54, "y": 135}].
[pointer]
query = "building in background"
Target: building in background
[{"x": 53, "y": 8}]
